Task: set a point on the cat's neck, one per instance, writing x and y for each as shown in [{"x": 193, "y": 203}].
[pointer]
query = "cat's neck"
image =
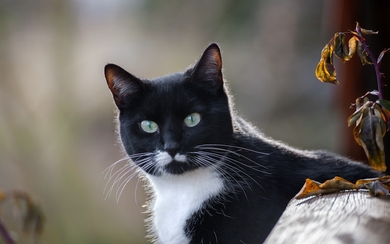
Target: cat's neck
[{"x": 177, "y": 197}]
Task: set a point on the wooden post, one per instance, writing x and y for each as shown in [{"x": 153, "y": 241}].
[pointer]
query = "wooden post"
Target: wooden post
[{"x": 346, "y": 217}]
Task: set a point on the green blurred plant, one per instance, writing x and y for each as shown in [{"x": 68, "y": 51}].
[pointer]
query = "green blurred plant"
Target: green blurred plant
[
  {"x": 32, "y": 218},
  {"x": 371, "y": 118}
]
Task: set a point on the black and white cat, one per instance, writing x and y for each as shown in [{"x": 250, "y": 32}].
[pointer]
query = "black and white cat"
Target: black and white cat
[{"x": 214, "y": 177}]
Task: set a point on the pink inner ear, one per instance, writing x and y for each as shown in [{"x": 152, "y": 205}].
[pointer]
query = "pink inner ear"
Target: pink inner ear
[
  {"x": 121, "y": 83},
  {"x": 209, "y": 67},
  {"x": 114, "y": 86}
]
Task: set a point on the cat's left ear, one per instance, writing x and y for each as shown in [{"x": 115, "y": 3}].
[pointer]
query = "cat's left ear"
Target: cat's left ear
[
  {"x": 122, "y": 84},
  {"x": 209, "y": 68}
]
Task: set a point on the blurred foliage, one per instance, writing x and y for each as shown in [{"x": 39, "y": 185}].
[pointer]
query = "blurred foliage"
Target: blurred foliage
[
  {"x": 31, "y": 215},
  {"x": 57, "y": 133}
]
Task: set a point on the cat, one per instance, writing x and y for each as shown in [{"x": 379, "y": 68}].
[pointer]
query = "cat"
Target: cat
[{"x": 214, "y": 177}]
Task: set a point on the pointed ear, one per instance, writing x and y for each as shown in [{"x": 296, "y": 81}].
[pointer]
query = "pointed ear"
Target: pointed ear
[
  {"x": 121, "y": 83},
  {"x": 209, "y": 68}
]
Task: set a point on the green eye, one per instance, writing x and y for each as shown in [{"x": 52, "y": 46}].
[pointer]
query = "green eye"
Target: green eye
[
  {"x": 192, "y": 120},
  {"x": 149, "y": 126}
]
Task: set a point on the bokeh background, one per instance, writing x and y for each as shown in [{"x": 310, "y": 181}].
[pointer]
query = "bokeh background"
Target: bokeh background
[{"x": 57, "y": 131}]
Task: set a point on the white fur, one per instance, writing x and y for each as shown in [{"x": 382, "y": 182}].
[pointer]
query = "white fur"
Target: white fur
[{"x": 177, "y": 197}]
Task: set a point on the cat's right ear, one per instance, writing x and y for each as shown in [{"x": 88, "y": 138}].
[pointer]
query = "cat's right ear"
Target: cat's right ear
[{"x": 121, "y": 83}]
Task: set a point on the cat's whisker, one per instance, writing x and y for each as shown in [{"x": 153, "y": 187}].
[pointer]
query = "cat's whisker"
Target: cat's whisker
[
  {"x": 122, "y": 176},
  {"x": 122, "y": 185},
  {"x": 232, "y": 146},
  {"x": 206, "y": 147},
  {"x": 206, "y": 160},
  {"x": 234, "y": 168},
  {"x": 145, "y": 164},
  {"x": 231, "y": 163},
  {"x": 110, "y": 168},
  {"x": 119, "y": 175}
]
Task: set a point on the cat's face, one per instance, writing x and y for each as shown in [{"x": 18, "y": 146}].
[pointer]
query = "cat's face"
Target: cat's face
[{"x": 165, "y": 121}]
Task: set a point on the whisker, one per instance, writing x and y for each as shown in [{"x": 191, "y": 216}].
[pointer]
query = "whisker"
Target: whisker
[
  {"x": 207, "y": 147},
  {"x": 221, "y": 171},
  {"x": 232, "y": 146},
  {"x": 124, "y": 174},
  {"x": 110, "y": 168}
]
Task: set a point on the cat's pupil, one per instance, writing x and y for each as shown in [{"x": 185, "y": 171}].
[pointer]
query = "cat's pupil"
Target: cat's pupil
[
  {"x": 192, "y": 120},
  {"x": 149, "y": 126}
]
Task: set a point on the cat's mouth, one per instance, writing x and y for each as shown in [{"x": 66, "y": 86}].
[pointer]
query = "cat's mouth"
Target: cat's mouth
[
  {"x": 178, "y": 164},
  {"x": 177, "y": 168}
]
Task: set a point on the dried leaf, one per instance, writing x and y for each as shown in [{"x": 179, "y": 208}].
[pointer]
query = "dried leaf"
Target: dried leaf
[
  {"x": 312, "y": 188},
  {"x": 325, "y": 70},
  {"x": 352, "y": 46},
  {"x": 383, "y": 179},
  {"x": 32, "y": 216},
  {"x": 368, "y": 32},
  {"x": 384, "y": 103},
  {"x": 355, "y": 117},
  {"x": 338, "y": 183},
  {"x": 381, "y": 55},
  {"x": 376, "y": 188},
  {"x": 369, "y": 135},
  {"x": 362, "y": 53},
  {"x": 384, "y": 111},
  {"x": 340, "y": 48}
]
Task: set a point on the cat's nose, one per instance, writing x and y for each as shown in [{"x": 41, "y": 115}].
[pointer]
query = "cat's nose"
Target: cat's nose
[{"x": 172, "y": 148}]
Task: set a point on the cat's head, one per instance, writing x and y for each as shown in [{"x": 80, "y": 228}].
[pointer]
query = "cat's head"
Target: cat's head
[{"x": 164, "y": 121}]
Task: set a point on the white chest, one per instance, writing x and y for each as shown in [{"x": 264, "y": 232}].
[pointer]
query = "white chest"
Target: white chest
[{"x": 177, "y": 197}]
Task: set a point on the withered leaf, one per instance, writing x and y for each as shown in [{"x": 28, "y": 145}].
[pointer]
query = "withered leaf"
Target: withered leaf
[
  {"x": 352, "y": 46},
  {"x": 312, "y": 188},
  {"x": 383, "y": 106},
  {"x": 368, "y": 32},
  {"x": 362, "y": 53},
  {"x": 361, "y": 110},
  {"x": 325, "y": 70},
  {"x": 384, "y": 103},
  {"x": 368, "y": 134},
  {"x": 355, "y": 117},
  {"x": 376, "y": 188},
  {"x": 338, "y": 183},
  {"x": 340, "y": 48},
  {"x": 382, "y": 54}
]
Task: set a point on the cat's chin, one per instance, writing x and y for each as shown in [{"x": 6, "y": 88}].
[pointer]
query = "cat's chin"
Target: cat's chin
[{"x": 178, "y": 168}]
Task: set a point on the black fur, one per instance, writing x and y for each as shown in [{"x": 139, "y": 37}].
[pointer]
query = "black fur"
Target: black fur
[{"x": 260, "y": 174}]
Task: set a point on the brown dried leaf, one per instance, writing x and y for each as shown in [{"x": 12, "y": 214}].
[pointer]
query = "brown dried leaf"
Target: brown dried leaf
[
  {"x": 308, "y": 188},
  {"x": 384, "y": 103},
  {"x": 325, "y": 70},
  {"x": 352, "y": 46},
  {"x": 313, "y": 188},
  {"x": 340, "y": 48},
  {"x": 362, "y": 53},
  {"x": 356, "y": 117},
  {"x": 382, "y": 54},
  {"x": 369, "y": 135},
  {"x": 32, "y": 216},
  {"x": 376, "y": 189},
  {"x": 338, "y": 183},
  {"x": 384, "y": 112},
  {"x": 368, "y": 32}
]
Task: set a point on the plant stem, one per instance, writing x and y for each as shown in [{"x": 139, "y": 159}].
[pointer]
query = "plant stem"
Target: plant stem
[
  {"x": 4, "y": 233},
  {"x": 377, "y": 73},
  {"x": 373, "y": 60}
]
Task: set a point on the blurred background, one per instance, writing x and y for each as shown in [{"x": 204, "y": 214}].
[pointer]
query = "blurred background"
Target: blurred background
[{"x": 57, "y": 130}]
